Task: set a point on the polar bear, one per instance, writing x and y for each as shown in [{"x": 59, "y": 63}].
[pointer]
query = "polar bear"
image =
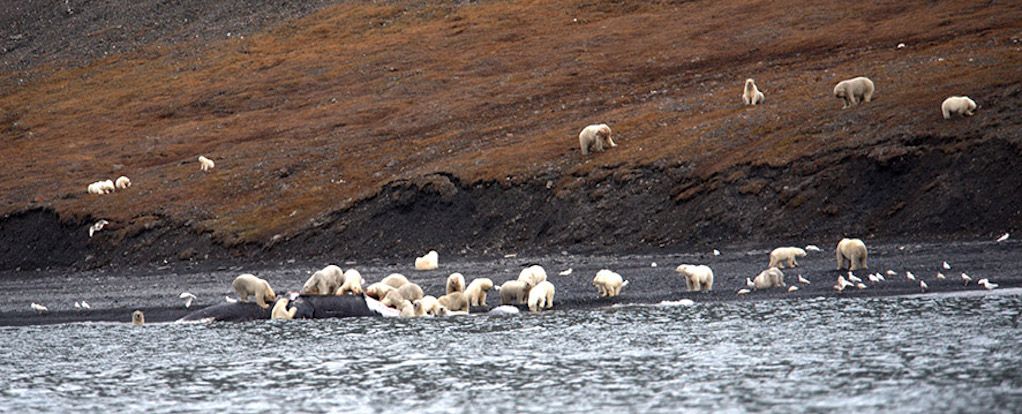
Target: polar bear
[
  {"x": 608, "y": 283},
  {"x": 428, "y": 305},
  {"x": 378, "y": 290},
  {"x": 752, "y": 95},
  {"x": 958, "y": 105},
  {"x": 513, "y": 292},
  {"x": 697, "y": 277},
  {"x": 851, "y": 254},
  {"x": 770, "y": 278},
  {"x": 595, "y": 137},
  {"x": 248, "y": 285},
  {"x": 395, "y": 280},
  {"x": 407, "y": 310},
  {"x": 455, "y": 283},
  {"x": 454, "y": 301},
  {"x": 785, "y": 255},
  {"x": 324, "y": 282},
  {"x": 352, "y": 283},
  {"x": 205, "y": 164},
  {"x": 855, "y": 90},
  {"x": 541, "y": 296},
  {"x": 428, "y": 262},
  {"x": 476, "y": 291},
  {"x": 532, "y": 275},
  {"x": 122, "y": 182},
  {"x": 410, "y": 291},
  {"x": 137, "y": 318},
  {"x": 281, "y": 311},
  {"x": 393, "y": 299}
]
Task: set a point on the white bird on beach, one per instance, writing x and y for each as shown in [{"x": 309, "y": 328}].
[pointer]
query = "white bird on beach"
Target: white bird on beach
[
  {"x": 853, "y": 278},
  {"x": 230, "y": 299},
  {"x": 1003, "y": 238},
  {"x": 986, "y": 283},
  {"x": 860, "y": 285},
  {"x": 946, "y": 266},
  {"x": 749, "y": 284},
  {"x": 716, "y": 252},
  {"x": 652, "y": 264},
  {"x": 744, "y": 291},
  {"x": 85, "y": 305},
  {"x": 565, "y": 272},
  {"x": 188, "y": 297},
  {"x": 910, "y": 276},
  {"x": 78, "y": 305},
  {"x": 892, "y": 273},
  {"x": 842, "y": 283},
  {"x": 923, "y": 286},
  {"x": 792, "y": 288},
  {"x": 881, "y": 277},
  {"x": 95, "y": 228},
  {"x": 873, "y": 278},
  {"x": 940, "y": 276},
  {"x": 40, "y": 309},
  {"x": 803, "y": 280},
  {"x": 812, "y": 248},
  {"x": 966, "y": 278}
]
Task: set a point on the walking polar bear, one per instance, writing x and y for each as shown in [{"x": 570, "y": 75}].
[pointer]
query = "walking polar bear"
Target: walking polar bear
[
  {"x": 608, "y": 283},
  {"x": 855, "y": 90},
  {"x": 851, "y": 254},
  {"x": 752, "y": 95},
  {"x": 697, "y": 277},
  {"x": 476, "y": 291},
  {"x": 541, "y": 296},
  {"x": 770, "y": 278},
  {"x": 248, "y": 285},
  {"x": 785, "y": 255},
  {"x": 595, "y": 137},
  {"x": 958, "y": 105}
]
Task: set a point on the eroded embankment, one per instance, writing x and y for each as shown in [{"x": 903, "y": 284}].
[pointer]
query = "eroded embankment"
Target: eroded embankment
[{"x": 921, "y": 188}]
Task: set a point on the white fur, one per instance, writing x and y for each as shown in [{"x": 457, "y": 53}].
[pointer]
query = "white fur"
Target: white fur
[
  {"x": 855, "y": 90},
  {"x": 851, "y": 254},
  {"x": 782, "y": 256},
  {"x": 324, "y": 282},
  {"x": 541, "y": 296},
  {"x": 595, "y": 137},
  {"x": 752, "y": 95},
  {"x": 280, "y": 310},
  {"x": 770, "y": 278},
  {"x": 395, "y": 280},
  {"x": 205, "y": 164},
  {"x": 428, "y": 262},
  {"x": 697, "y": 277},
  {"x": 248, "y": 285},
  {"x": 122, "y": 182},
  {"x": 513, "y": 292},
  {"x": 455, "y": 283},
  {"x": 476, "y": 291},
  {"x": 454, "y": 301},
  {"x": 608, "y": 283},
  {"x": 532, "y": 275},
  {"x": 352, "y": 283},
  {"x": 957, "y": 105}
]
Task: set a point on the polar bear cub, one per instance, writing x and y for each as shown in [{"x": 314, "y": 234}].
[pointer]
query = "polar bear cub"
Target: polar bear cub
[
  {"x": 785, "y": 255},
  {"x": 205, "y": 164},
  {"x": 770, "y": 278},
  {"x": 513, "y": 292},
  {"x": 476, "y": 291},
  {"x": 697, "y": 277},
  {"x": 324, "y": 282},
  {"x": 428, "y": 262},
  {"x": 855, "y": 90},
  {"x": 595, "y": 137},
  {"x": 752, "y": 95},
  {"x": 851, "y": 254},
  {"x": 958, "y": 105},
  {"x": 455, "y": 283},
  {"x": 248, "y": 285},
  {"x": 541, "y": 296},
  {"x": 351, "y": 283},
  {"x": 608, "y": 283},
  {"x": 280, "y": 310}
]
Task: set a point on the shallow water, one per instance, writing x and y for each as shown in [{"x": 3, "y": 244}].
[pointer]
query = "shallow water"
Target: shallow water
[{"x": 921, "y": 354}]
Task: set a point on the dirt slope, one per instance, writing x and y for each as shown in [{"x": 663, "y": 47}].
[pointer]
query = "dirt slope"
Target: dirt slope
[{"x": 360, "y": 129}]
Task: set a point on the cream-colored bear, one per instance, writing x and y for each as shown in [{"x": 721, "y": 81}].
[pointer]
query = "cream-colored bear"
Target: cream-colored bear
[
  {"x": 427, "y": 306},
  {"x": 407, "y": 310},
  {"x": 352, "y": 283},
  {"x": 455, "y": 301},
  {"x": 393, "y": 299},
  {"x": 595, "y": 137},
  {"x": 532, "y": 275},
  {"x": 378, "y": 290},
  {"x": 410, "y": 291},
  {"x": 395, "y": 280},
  {"x": 770, "y": 278},
  {"x": 248, "y": 285},
  {"x": 513, "y": 292},
  {"x": 280, "y": 310},
  {"x": 608, "y": 283},
  {"x": 428, "y": 262},
  {"x": 785, "y": 255},
  {"x": 851, "y": 254},
  {"x": 752, "y": 95},
  {"x": 541, "y": 296},
  {"x": 324, "y": 282},
  {"x": 455, "y": 283},
  {"x": 205, "y": 164},
  {"x": 476, "y": 291},
  {"x": 853, "y": 91},
  {"x": 957, "y": 105},
  {"x": 137, "y": 318},
  {"x": 697, "y": 277}
]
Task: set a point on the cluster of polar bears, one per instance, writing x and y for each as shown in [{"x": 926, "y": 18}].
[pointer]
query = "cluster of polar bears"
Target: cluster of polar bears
[
  {"x": 851, "y": 92},
  {"x": 108, "y": 186}
]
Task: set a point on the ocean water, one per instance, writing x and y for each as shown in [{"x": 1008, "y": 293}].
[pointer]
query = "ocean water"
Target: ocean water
[{"x": 897, "y": 354}]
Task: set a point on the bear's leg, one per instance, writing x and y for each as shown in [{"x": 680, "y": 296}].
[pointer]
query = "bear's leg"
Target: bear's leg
[
  {"x": 610, "y": 141},
  {"x": 791, "y": 262}
]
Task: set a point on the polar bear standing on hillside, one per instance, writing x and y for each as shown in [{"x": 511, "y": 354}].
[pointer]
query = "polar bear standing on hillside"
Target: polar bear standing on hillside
[
  {"x": 851, "y": 254},
  {"x": 752, "y": 95},
  {"x": 597, "y": 137},
  {"x": 248, "y": 285},
  {"x": 855, "y": 90},
  {"x": 785, "y": 255},
  {"x": 958, "y": 105},
  {"x": 697, "y": 277}
]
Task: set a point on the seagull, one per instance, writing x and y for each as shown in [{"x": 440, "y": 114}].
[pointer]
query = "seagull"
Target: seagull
[
  {"x": 792, "y": 288},
  {"x": 85, "y": 305},
  {"x": 188, "y": 297},
  {"x": 78, "y": 305},
  {"x": 892, "y": 273},
  {"x": 95, "y": 228},
  {"x": 803, "y": 280},
  {"x": 1003, "y": 238},
  {"x": 946, "y": 266},
  {"x": 565, "y": 272},
  {"x": 881, "y": 277},
  {"x": 40, "y": 309},
  {"x": 716, "y": 252},
  {"x": 230, "y": 299},
  {"x": 873, "y": 278},
  {"x": 813, "y": 248},
  {"x": 749, "y": 284},
  {"x": 910, "y": 276},
  {"x": 860, "y": 285},
  {"x": 923, "y": 286},
  {"x": 744, "y": 291},
  {"x": 940, "y": 276},
  {"x": 966, "y": 278},
  {"x": 652, "y": 264},
  {"x": 986, "y": 283},
  {"x": 853, "y": 278},
  {"x": 842, "y": 283}
]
